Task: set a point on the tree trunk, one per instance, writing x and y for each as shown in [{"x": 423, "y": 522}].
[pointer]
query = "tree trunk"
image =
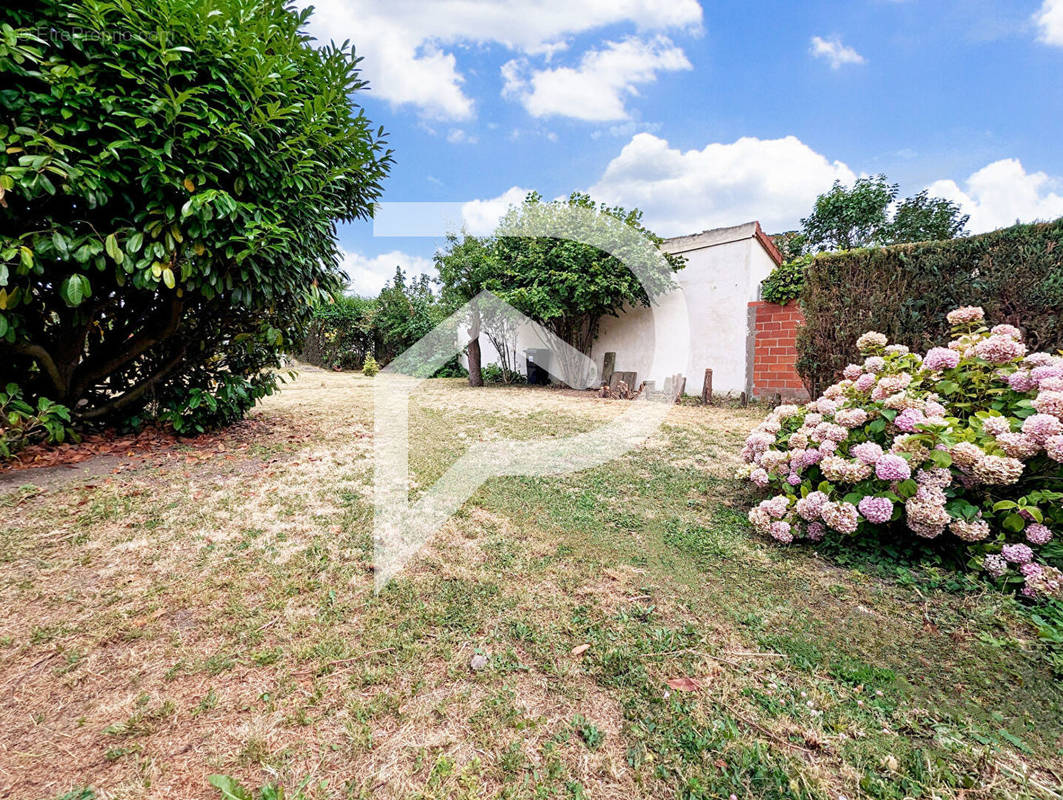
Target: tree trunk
[{"x": 476, "y": 377}]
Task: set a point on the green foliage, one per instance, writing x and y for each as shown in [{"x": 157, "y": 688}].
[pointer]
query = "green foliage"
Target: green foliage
[
  {"x": 790, "y": 244},
  {"x": 171, "y": 172},
  {"x": 231, "y": 789},
  {"x": 568, "y": 286},
  {"x": 494, "y": 373},
  {"x": 224, "y": 399},
  {"x": 786, "y": 281},
  {"x": 922, "y": 218},
  {"x": 904, "y": 291},
  {"x": 591, "y": 734},
  {"x": 406, "y": 311},
  {"x": 859, "y": 216},
  {"x": 86, "y": 793},
  {"x": 962, "y": 447},
  {"x": 22, "y": 423},
  {"x": 370, "y": 367},
  {"x": 342, "y": 333}
]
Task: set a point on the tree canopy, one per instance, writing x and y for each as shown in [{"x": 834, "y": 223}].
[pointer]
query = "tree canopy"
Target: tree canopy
[
  {"x": 563, "y": 284},
  {"x": 169, "y": 187},
  {"x": 867, "y": 214}
]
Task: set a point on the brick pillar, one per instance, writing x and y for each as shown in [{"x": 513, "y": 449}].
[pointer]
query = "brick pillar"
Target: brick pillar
[{"x": 775, "y": 351}]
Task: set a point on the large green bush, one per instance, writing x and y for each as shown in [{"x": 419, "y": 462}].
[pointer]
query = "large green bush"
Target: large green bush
[
  {"x": 171, "y": 175},
  {"x": 904, "y": 291}
]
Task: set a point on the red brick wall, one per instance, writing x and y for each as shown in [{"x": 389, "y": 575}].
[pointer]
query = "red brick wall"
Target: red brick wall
[{"x": 774, "y": 351}]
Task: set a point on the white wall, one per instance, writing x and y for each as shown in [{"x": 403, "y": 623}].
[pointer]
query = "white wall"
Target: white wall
[{"x": 718, "y": 282}]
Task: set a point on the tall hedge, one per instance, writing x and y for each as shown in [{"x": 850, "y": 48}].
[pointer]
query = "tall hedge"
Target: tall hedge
[{"x": 904, "y": 291}]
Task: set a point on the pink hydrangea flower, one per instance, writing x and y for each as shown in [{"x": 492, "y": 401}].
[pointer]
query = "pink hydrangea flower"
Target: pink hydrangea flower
[
  {"x": 892, "y": 468},
  {"x": 816, "y": 531},
  {"x": 935, "y": 409},
  {"x": 871, "y": 341},
  {"x": 842, "y": 517},
  {"x": 1049, "y": 403},
  {"x": 1018, "y": 445},
  {"x": 939, "y": 358},
  {"x": 865, "y": 382},
  {"x": 850, "y": 417},
  {"x": 1031, "y": 570},
  {"x": 1040, "y": 359},
  {"x": 999, "y": 349},
  {"x": 1006, "y": 330},
  {"x": 908, "y": 419},
  {"x": 810, "y": 507},
  {"x": 1016, "y": 553},
  {"x": 1021, "y": 381},
  {"x": 934, "y": 476},
  {"x": 1046, "y": 371},
  {"x": 853, "y": 371},
  {"x": 995, "y": 426},
  {"x": 780, "y": 531},
  {"x": 1041, "y": 426},
  {"x": 965, "y": 315},
  {"x": 1038, "y": 534},
  {"x": 776, "y": 506},
  {"x": 973, "y": 531},
  {"x": 874, "y": 364},
  {"x": 826, "y": 406},
  {"x": 876, "y": 509},
  {"x": 1054, "y": 448},
  {"x": 759, "y": 477},
  {"x": 995, "y": 565},
  {"x": 868, "y": 452}
]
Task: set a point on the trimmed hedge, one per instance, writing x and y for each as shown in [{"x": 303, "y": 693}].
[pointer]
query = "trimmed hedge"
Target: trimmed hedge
[{"x": 905, "y": 291}]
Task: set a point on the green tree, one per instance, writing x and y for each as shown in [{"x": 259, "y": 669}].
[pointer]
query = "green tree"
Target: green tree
[
  {"x": 851, "y": 216},
  {"x": 568, "y": 286},
  {"x": 406, "y": 311},
  {"x": 922, "y": 218},
  {"x": 467, "y": 265},
  {"x": 862, "y": 215},
  {"x": 170, "y": 179}
]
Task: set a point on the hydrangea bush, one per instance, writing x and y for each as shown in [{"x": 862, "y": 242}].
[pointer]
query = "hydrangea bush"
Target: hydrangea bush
[{"x": 965, "y": 442}]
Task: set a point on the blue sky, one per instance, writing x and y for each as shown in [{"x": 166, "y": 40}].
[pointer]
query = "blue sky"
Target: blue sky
[{"x": 705, "y": 114}]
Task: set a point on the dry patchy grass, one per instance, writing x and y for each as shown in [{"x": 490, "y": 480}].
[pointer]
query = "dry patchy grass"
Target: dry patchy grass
[{"x": 203, "y": 614}]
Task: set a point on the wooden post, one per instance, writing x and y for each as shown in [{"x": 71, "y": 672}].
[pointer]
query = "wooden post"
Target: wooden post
[
  {"x": 608, "y": 367},
  {"x": 706, "y": 388},
  {"x": 680, "y": 386}
]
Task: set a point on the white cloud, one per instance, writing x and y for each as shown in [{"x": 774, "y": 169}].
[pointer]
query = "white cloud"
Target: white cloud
[
  {"x": 835, "y": 52},
  {"x": 775, "y": 181},
  {"x": 405, "y": 42},
  {"x": 368, "y": 274},
  {"x": 480, "y": 217},
  {"x": 596, "y": 90},
  {"x": 1049, "y": 20},
  {"x": 1002, "y": 192},
  {"x": 459, "y": 136}
]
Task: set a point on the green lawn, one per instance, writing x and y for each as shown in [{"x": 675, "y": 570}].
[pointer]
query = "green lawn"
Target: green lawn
[{"x": 212, "y": 612}]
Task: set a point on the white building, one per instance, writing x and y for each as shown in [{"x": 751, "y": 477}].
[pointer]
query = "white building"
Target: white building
[
  {"x": 723, "y": 273},
  {"x": 722, "y": 277}
]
